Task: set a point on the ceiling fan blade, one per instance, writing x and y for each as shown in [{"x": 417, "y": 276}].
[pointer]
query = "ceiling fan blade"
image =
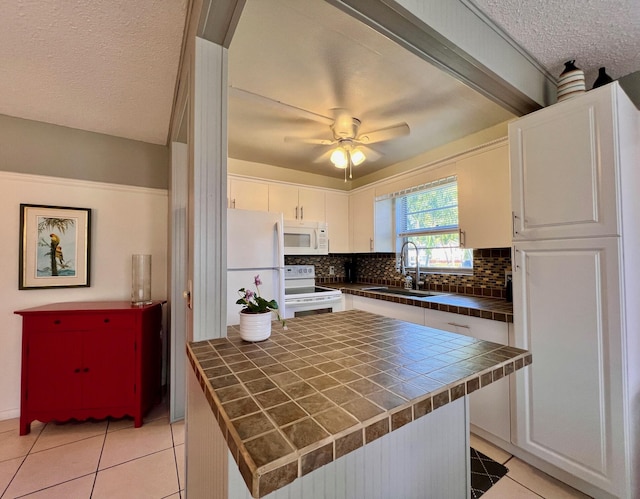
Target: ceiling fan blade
[
  {"x": 384, "y": 134},
  {"x": 324, "y": 158},
  {"x": 303, "y": 113},
  {"x": 300, "y": 140},
  {"x": 370, "y": 153}
]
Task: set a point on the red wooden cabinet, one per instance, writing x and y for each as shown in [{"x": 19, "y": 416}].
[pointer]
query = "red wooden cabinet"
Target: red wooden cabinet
[{"x": 89, "y": 360}]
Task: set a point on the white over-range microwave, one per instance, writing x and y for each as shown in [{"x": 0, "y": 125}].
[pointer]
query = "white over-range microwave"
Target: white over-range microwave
[{"x": 305, "y": 238}]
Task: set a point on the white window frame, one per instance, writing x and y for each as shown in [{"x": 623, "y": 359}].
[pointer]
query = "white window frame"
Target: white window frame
[{"x": 405, "y": 235}]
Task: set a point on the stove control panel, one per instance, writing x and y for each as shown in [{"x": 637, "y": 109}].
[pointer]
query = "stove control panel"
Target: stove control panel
[{"x": 299, "y": 272}]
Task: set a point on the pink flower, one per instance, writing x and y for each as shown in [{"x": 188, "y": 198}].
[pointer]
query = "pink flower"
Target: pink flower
[
  {"x": 257, "y": 280},
  {"x": 248, "y": 294}
]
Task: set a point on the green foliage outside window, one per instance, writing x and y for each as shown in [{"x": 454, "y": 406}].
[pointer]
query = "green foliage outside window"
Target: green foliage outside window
[{"x": 429, "y": 218}]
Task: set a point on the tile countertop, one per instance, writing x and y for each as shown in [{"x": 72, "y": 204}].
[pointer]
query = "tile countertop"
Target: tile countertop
[
  {"x": 477, "y": 306},
  {"x": 332, "y": 383}
]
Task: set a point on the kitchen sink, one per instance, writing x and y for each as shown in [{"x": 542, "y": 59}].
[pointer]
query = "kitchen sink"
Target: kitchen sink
[{"x": 410, "y": 293}]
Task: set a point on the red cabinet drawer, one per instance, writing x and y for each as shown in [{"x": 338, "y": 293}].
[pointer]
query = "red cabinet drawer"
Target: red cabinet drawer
[{"x": 79, "y": 322}]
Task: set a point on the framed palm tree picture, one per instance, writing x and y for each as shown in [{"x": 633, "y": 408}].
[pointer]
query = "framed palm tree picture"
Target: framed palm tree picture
[{"x": 55, "y": 243}]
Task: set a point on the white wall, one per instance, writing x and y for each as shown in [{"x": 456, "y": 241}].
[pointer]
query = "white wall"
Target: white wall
[{"x": 125, "y": 220}]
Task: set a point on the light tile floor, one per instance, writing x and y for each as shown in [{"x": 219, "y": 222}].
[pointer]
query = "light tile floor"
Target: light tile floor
[
  {"x": 97, "y": 460},
  {"x": 112, "y": 459},
  {"x": 522, "y": 481}
]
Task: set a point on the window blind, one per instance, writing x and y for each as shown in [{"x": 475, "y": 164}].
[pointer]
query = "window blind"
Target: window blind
[{"x": 429, "y": 210}]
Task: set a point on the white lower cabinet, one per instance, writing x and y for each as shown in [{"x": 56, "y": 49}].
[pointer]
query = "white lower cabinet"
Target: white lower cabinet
[
  {"x": 407, "y": 313},
  {"x": 490, "y": 407},
  {"x": 571, "y": 408}
]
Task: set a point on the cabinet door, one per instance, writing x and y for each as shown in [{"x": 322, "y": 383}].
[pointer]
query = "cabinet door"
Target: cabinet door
[
  {"x": 484, "y": 198},
  {"x": 563, "y": 169},
  {"x": 108, "y": 368},
  {"x": 337, "y": 217},
  {"x": 489, "y": 407},
  {"x": 54, "y": 370},
  {"x": 283, "y": 199},
  {"x": 248, "y": 194},
  {"x": 384, "y": 226},
  {"x": 361, "y": 220},
  {"x": 569, "y": 401},
  {"x": 311, "y": 204}
]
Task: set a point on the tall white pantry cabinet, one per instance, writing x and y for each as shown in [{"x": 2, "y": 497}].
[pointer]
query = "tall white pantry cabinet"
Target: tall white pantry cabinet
[{"x": 575, "y": 170}]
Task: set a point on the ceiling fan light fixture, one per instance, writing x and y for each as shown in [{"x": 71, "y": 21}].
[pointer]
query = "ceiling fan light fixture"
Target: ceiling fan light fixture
[
  {"x": 357, "y": 156},
  {"x": 339, "y": 158}
]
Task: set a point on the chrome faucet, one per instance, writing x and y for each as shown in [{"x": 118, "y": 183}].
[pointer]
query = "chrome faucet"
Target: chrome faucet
[{"x": 416, "y": 282}]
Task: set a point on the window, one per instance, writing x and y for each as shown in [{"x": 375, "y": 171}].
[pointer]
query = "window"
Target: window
[{"x": 427, "y": 215}]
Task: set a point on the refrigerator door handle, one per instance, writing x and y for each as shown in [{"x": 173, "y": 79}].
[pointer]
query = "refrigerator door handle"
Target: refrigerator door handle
[
  {"x": 280, "y": 266},
  {"x": 280, "y": 237}
]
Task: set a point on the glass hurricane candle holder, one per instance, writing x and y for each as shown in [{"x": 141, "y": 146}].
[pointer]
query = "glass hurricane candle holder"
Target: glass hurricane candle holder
[{"x": 140, "y": 280}]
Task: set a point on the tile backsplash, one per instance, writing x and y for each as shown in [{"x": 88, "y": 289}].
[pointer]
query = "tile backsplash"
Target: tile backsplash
[{"x": 488, "y": 278}]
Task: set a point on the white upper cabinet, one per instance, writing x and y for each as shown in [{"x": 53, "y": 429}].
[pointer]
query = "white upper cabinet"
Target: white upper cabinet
[
  {"x": 337, "y": 217},
  {"x": 361, "y": 217},
  {"x": 563, "y": 170},
  {"x": 297, "y": 203},
  {"x": 484, "y": 198},
  {"x": 312, "y": 204},
  {"x": 246, "y": 194}
]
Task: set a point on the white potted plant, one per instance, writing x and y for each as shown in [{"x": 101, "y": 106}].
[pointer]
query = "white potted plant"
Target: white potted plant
[{"x": 255, "y": 317}]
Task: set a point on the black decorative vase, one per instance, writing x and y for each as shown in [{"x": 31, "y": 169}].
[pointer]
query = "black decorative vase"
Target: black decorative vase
[{"x": 602, "y": 79}]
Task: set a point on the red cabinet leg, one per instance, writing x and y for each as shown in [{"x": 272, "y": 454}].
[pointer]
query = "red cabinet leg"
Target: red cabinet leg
[{"x": 25, "y": 426}]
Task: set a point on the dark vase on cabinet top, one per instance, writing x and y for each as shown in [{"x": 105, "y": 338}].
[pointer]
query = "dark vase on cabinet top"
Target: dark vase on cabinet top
[{"x": 602, "y": 79}]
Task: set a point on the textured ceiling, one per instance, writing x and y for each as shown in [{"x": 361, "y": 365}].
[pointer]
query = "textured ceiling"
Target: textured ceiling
[
  {"x": 110, "y": 66},
  {"x": 593, "y": 32},
  {"x": 106, "y": 66}
]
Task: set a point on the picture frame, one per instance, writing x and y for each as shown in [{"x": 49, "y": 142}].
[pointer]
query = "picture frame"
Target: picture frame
[{"x": 55, "y": 247}]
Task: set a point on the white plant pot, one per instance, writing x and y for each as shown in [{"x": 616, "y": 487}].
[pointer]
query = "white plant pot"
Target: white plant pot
[{"x": 255, "y": 327}]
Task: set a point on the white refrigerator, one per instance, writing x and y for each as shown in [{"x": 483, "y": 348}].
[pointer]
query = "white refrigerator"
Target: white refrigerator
[{"x": 255, "y": 246}]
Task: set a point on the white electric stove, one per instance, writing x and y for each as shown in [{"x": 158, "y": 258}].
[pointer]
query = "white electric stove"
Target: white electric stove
[{"x": 303, "y": 297}]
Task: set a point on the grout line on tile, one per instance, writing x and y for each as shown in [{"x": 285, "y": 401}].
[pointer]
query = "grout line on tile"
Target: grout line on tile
[
  {"x": 24, "y": 458},
  {"x": 175, "y": 461},
  {"x": 62, "y": 445},
  {"x": 104, "y": 441},
  {"x": 135, "y": 459},
  {"x": 522, "y": 485},
  {"x": 56, "y": 484}
]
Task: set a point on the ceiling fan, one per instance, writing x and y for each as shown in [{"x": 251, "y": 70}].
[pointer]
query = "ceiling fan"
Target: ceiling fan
[{"x": 348, "y": 147}]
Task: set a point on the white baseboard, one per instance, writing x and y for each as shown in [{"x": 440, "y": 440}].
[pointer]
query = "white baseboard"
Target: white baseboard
[{"x": 9, "y": 414}]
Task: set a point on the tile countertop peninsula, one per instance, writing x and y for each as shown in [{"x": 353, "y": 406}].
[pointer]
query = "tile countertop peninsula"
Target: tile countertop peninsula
[
  {"x": 332, "y": 383},
  {"x": 485, "y": 307}
]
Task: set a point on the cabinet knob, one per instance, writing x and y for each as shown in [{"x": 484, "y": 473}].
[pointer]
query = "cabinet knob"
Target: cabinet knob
[
  {"x": 76, "y": 370},
  {"x": 107, "y": 320},
  {"x": 86, "y": 370},
  {"x": 57, "y": 321}
]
